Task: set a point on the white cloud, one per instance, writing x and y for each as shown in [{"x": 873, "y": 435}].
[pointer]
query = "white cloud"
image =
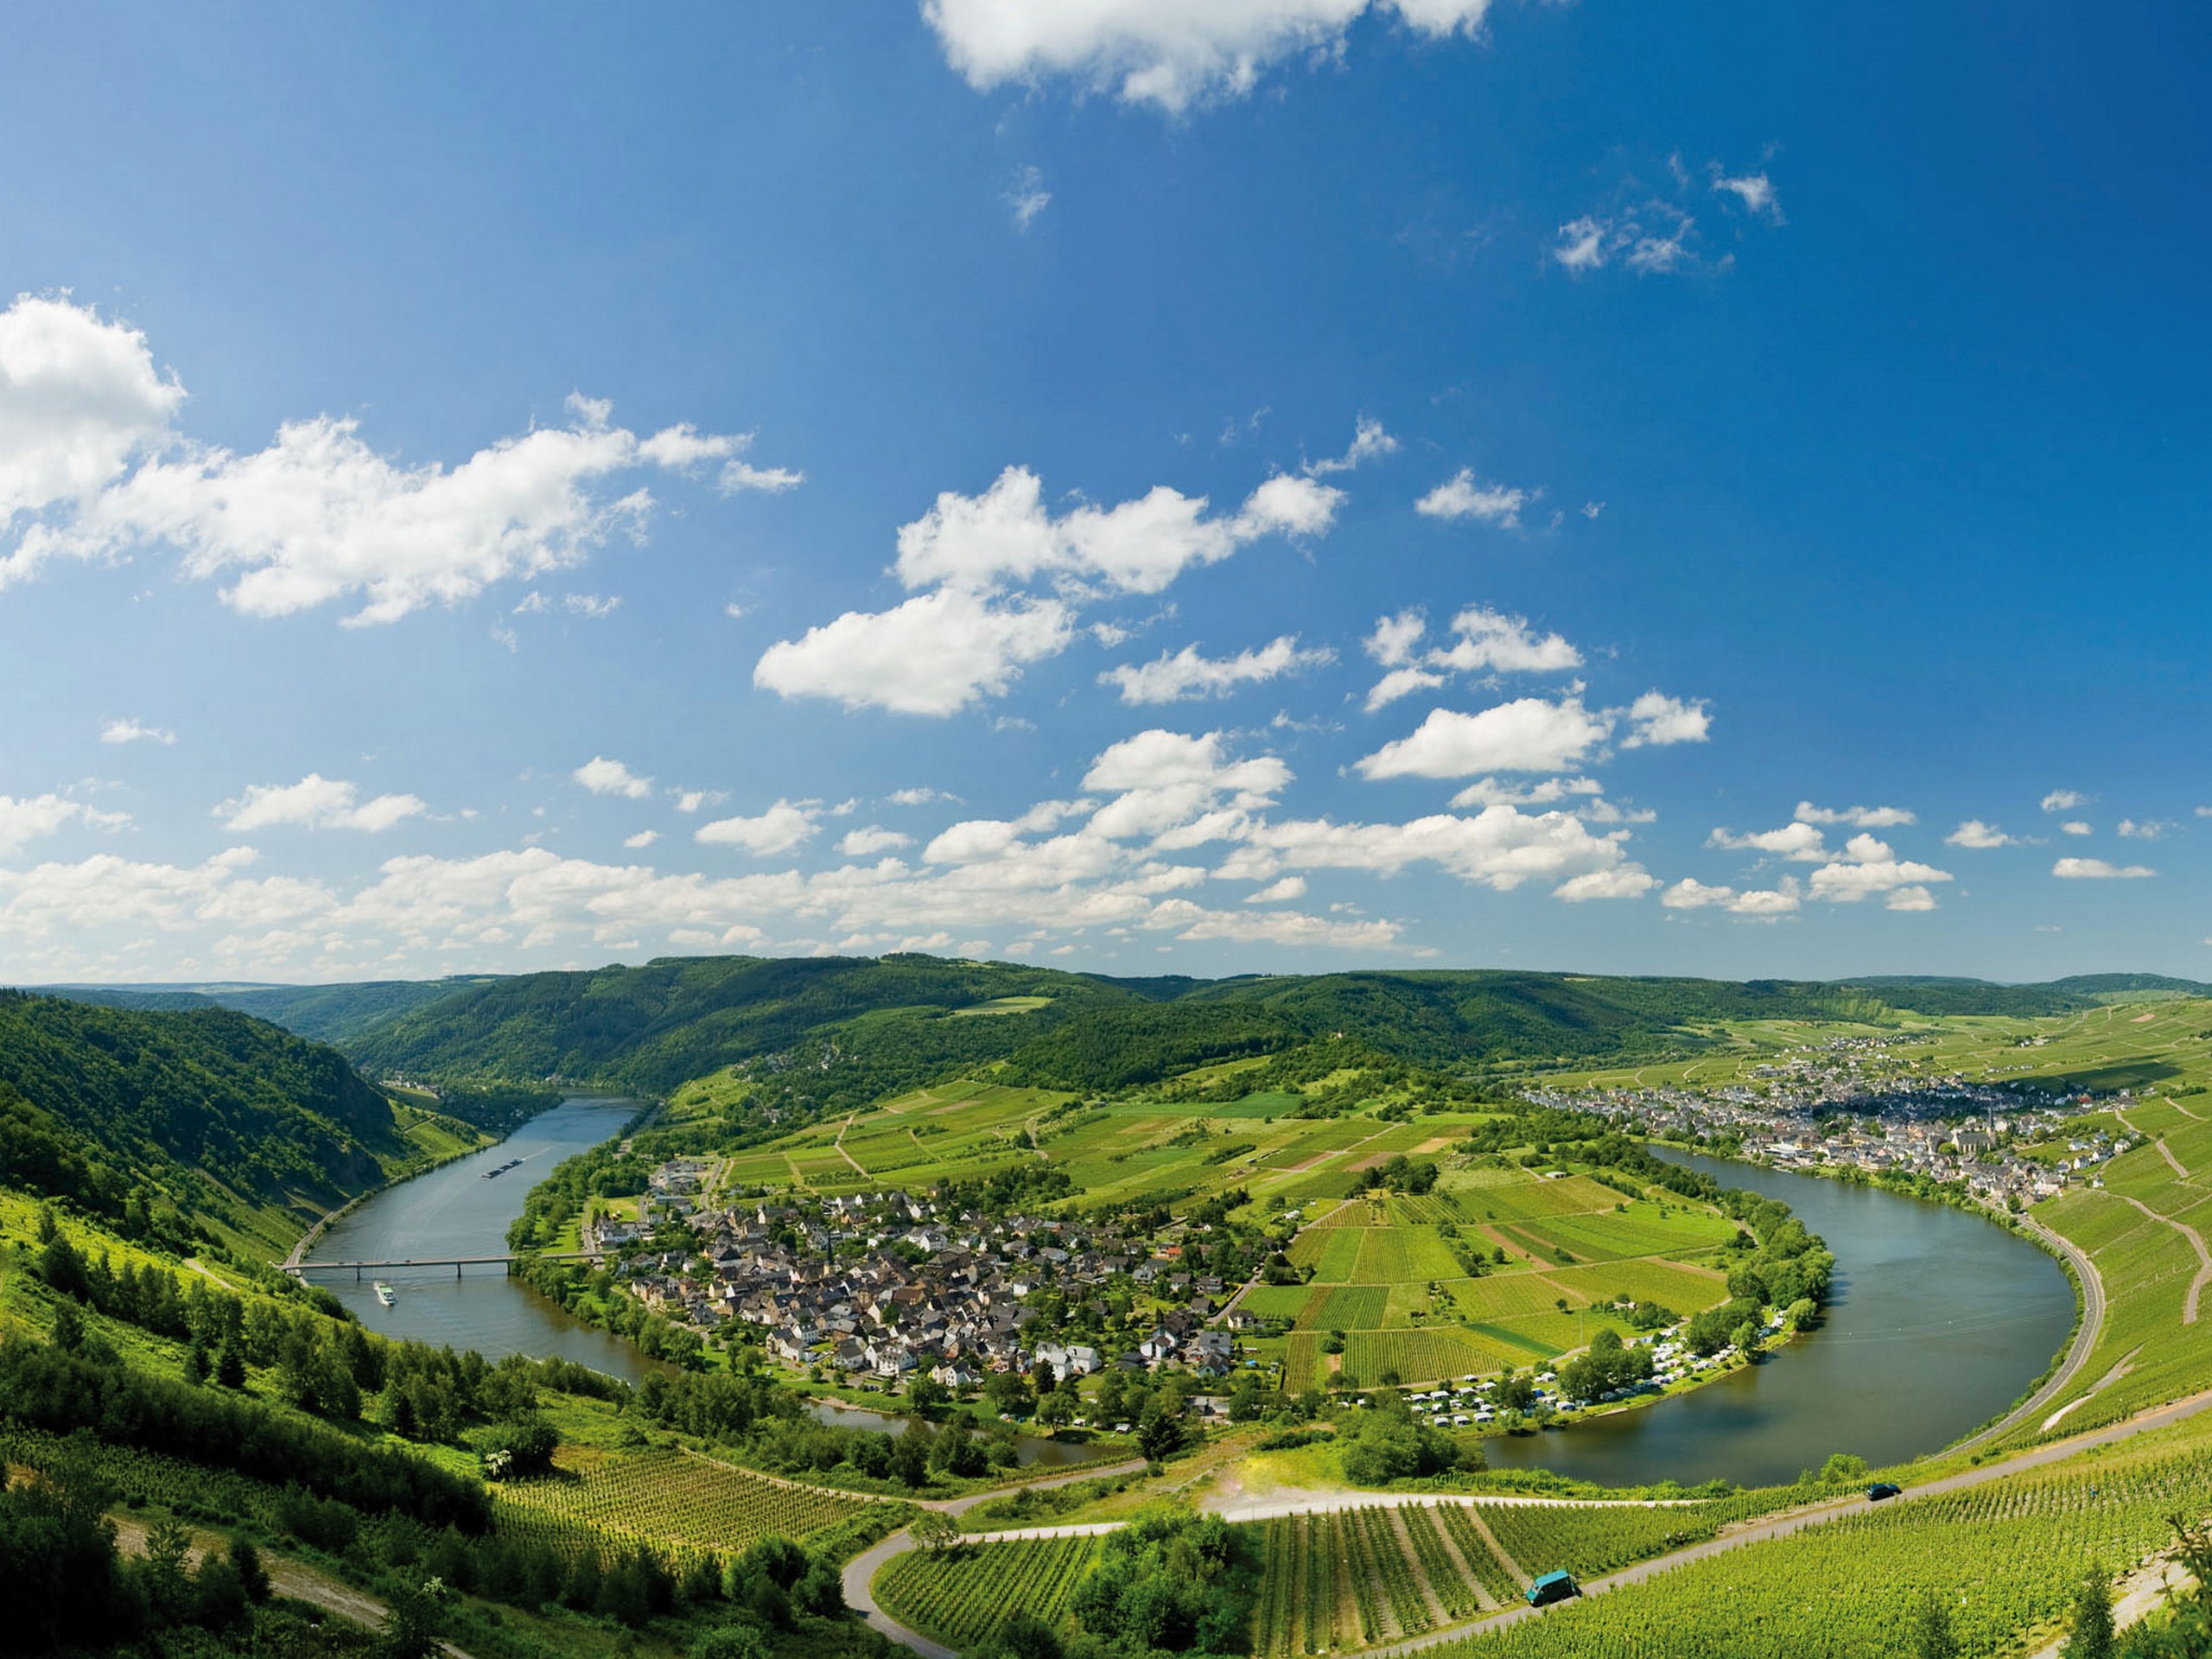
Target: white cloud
[
  {"x": 1582, "y": 244},
  {"x": 26, "y": 820},
  {"x": 130, "y": 731},
  {"x": 1759, "y": 904},
  {"x": 316, "y": 803},
  {"x": 2064, "y": 800},
  {"x": 91, "y": 467},
  {"x": 1187, "y": 674},
  {"x": 1461, "y": 497},
  {"x": 1592, "y": 509},
  {"x": 1754, "y": 190},
  {"x": 1549, "y": 791},
  {"x": 1652, "y": 241},
  {"x": 935, "y": 654},
  {"x": 690, "y": 800},
  {"x": 1008, "y": 536},
  {"x": 2076, "y": 827},
  {"x": 604, "y": 777},
  {"x": 1279, "y": 893},
  {"x": 642, "y": 840},
  {"x": 1483, "y": 640},
  {"x": 2144, "y": 829},
  {"x": 1867, "y": 868},
  {"x": 1656, "y": 720},
  {"x": 1624, "y": 881},
  {"x": 1169, "y": 53},
  {"x": 922, "y": 796},
  {"x": 2097, "y": 869},
  {"x": 1527, "y": 734},
  {"x": 969, "y": 639},
  {"x": 779, "y": 829},
  {"x": 1499, "y": 848},
  {"x": 592, "y": 605},
  {"x": 868, "y": 842},
  {"x": 80, "y": 401},
  {"x": 1980, "y": 836},
  {"x": 1860, "y": 817},
  {"x": 1799, "y": 841},
  {"x": 1027, "y": 197},
  {"x": 1368, "y": 442}
]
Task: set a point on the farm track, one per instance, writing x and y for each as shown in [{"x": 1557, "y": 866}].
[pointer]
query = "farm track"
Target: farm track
[
  {"x": 2157, "y": 1140},
  {"x": 2197, "y": 1242},
  {"x": 2077, "y": 1354}
]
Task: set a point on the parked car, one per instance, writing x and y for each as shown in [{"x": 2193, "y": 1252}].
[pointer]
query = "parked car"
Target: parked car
[
  {"x": 1553, "y": 1587},
  {"x": 1880, "y": 1490}
]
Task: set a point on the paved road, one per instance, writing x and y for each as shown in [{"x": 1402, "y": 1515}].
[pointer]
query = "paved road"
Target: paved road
[
  {"x": 2085, "y": 1339},
  {"x": 860, "y": 1571}
]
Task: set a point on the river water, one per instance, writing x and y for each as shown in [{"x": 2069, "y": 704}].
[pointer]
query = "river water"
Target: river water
[
  {"x": 455, "y": 1211},
  {"x": 1938, "y": 1321}
]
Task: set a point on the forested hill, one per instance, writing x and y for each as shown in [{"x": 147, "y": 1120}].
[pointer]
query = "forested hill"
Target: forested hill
[
  {"x": 328, "y": 1013},
  {"x": 854, "y": 1028},
  {"x": 175, "y": 1121}
]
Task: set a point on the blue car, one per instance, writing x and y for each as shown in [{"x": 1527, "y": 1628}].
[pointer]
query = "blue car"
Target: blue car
[{"x": 1880, "y": 1490}]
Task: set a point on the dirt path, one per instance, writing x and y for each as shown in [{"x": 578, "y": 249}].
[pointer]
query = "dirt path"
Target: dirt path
[
  {"x": 2195, "y": 1241},
  {"x": 2077, "y": 1354},
  {"x": 2157, "y": 1140},
  {"x": 289, "y": 1578},
  {"x": 2139, "y": 1592},
  {"x": 848, "y": 1156}
]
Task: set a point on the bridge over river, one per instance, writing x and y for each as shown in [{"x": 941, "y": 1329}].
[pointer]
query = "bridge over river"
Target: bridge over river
[{"x": 300, "y": 1270}]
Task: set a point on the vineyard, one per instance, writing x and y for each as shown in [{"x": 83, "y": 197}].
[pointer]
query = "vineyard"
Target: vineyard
[
  {"x": 961, "y": 1596},
  {"x": 1361, "y": 1578},
  {"x": 2004, "y": 1558},
  {"x": 665, "y": 1498}
]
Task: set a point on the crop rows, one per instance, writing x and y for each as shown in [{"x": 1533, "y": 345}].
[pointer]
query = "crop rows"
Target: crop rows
[
  {"x": 673, "y": 1497},
  {"x": 1454, "y": 1590},
  {"x": 1588, "y": 1541},
  {"x": 961, "y": 1596},
  {"x": 1496, "y": 1577},
  {"x": 2002, "y": 1558}
]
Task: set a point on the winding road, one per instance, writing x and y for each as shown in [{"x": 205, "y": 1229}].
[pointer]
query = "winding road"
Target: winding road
[{"x": 2077, "y": 1354}]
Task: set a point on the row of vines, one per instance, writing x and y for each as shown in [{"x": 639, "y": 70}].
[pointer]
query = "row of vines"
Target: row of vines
[{"x": 961, "y": 1596}]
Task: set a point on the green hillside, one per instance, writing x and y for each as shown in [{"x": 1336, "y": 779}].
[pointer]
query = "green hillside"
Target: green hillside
[
  {"x": 328, "y": 1013},
  {"x": 200, "y": 1122},
  {"x": 855, "y": 1029}
]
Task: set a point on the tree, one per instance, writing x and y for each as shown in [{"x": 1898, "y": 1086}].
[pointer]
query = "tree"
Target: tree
[
  {"x": 246, "y": 1559},
  {"x": 1159, "y": 1435},
  {"x": 910, "y": 1458},
  {"x": 730, "y": 1641},
  {"x": 2088, "y": 1634},
  {"x": 1933, "y": 1636},
  {"x": 926, "y": 1394},
  {"x": 412, "y": 1622},
  {"x": 230, "y": 1367},
  {"x": 935, "y": 1530}
]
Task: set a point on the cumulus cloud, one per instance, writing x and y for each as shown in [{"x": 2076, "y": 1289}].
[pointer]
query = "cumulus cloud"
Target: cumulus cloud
[
  {"x": 1462, "y": 496},
  {"x": 1758, "y": 903},
  {"x": 971, "y": 636},
  {"x": 1799, "y": 841},
  {"x": 1169, "y": 53},
  {"x": 935, "y": 654},
  {"x": 1656, "y": 720},
  {"x": 604, "y": 777},
  {"x": 1187, "y": 674},
  {"x": 1860, "y": 817},
  {"x": 1980, "y": 836},
  {"x": 1868, "y": 868},
  {"x": 2143, "y": 829},
  {"x": 2064, "y": 800},
  {"x": 870, "y": 841},
  {"x": 316, "y": 803},
  {"x": 130, "y": 731},
  {"x": 642, "y": 840},
  {"x": 1482, "y": 640},
  {"x": 1278, "y": 892},
  {"x": 782, "y": 828},
  {"x": 25, "y": 820},
  {"x": 1368, "y": 442},
  {"x": 1527, "y": 734},
  {"x": 1499, "y": 848},
  {"x": 91, "y": 467},
  {"x": 2098, "y": 869},
  {"x": 919, "y": 796},
  {"x": 2076, "y": 827}
]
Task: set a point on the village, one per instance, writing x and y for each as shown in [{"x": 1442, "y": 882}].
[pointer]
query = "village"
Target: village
[
  {"x": 1860, "y": 1103},
  {"x": 877, "y": 1288}
]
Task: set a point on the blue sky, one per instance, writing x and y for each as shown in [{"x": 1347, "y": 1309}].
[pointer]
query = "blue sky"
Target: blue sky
[{"x": 1141, "y": 485}]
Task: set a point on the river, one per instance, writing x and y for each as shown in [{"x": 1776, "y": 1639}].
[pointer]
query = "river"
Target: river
[
  {"x": 455, "y": 1211},
  {"x": 1938, "y": 1320}
]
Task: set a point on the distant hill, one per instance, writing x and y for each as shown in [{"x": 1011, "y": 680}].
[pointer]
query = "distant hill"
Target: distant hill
[
  {"x": 176, "y": 1119},
  {"x": 842, "y": 1031},
  {"x": 328, "y": 1013}
]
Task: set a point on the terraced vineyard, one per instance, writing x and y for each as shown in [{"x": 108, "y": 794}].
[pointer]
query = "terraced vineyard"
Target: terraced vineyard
[
  {"x": 2004, "y": 1557},
  {"x": 665, "y": 1498},
  {"x": 1363, "y": 1578},
  {"x": 961, "y": 1596}
]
